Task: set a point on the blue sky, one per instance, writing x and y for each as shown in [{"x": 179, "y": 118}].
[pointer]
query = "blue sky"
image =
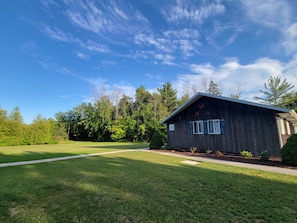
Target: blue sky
[{"x": 56, "y": 54}]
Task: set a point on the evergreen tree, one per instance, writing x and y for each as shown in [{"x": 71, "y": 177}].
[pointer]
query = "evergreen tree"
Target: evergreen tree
[
  {"x": 168, "y": 97},
  {"x": 276, "y": 92},
  {"x": 214, "y": 88}
]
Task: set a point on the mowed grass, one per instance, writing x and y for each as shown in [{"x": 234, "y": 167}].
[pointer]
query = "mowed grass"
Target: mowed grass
[
  {"x": 144, "y": 187},
  {"x": 35, "y": 152}
]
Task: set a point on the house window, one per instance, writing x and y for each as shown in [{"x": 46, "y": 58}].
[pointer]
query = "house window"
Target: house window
[
  {"x": 171, "y": 127},
  {"x": 213, "y": 126},
  {"x": 198, "y": 127}
]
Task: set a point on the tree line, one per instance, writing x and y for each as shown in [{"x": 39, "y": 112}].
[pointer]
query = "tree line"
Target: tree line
[
  {"x": 119, "y": 117},
  {"x": 42, "y": 131}
]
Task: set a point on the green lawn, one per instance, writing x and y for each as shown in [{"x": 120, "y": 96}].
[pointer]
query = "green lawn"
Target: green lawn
[
  {"x": 34, "y": 152},
  {"x": 144, "y": 187}
]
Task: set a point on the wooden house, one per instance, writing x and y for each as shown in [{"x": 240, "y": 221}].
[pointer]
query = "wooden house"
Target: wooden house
[{"x": 229, "y": 125}]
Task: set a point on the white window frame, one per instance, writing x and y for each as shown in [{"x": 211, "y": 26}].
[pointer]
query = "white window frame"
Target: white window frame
[
  {"x": 171, "y": 127},
  {"x": 282, "y": 126},
  {"x": 288, "y": 127},
  {"x": 214, "y": 127},
  {"x": 198, "y": 127}
]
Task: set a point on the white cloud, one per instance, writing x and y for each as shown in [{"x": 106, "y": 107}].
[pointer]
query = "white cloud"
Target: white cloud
[
  {"x": 63, "y": 70},
  {"x": 112, "y": 17},
  {"x": 277, "y": 15},
  {"x": 82, "y": 56},
  {"x": 153, "y": 76},
  {"x": 187, "y": 11},
  {"x": 57, "y": 34},
  {"x": 161, "y": 44},
  {"x": 272, "y": 13},
  {"x": 93, "y": 46},
  {"x": 165, "y": 58},
  {"x": 290, "y": 39},
  {"x": 47, "y": 3},
  {"x": 248, "y": 78}
]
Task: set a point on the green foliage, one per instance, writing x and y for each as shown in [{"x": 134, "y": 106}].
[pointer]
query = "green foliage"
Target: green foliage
[
  {"x": 156, "y": 141},
  {"x": 276, "y": 92},
  {"x": 168, "y": 97},
  {"x": 14, "y": 132},
  {"x": 193, "y": 150},
  {"x": 214, "y": 88},
  {"x": 246, "y": 154},
  {"x": 264, "y": 156},
  {"x": 289, "y": 151}
]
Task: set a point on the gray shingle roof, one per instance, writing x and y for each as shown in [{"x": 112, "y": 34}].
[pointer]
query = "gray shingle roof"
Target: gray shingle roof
[{"x": 288, "y": 114}]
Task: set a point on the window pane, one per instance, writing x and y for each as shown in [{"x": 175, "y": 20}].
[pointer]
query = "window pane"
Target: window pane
[{"x": 214, "y": 126}]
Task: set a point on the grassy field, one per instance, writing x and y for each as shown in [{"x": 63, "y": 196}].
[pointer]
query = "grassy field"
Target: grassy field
[
  {"x": 144, "y": 187},
  {"x": 35, "y": 152}
]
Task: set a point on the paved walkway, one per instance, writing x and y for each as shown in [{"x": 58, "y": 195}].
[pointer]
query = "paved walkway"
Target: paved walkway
[
  {"x": 287, "y": 171},
  {"x": 274, "y": 169},
  {"x": 61, "y": 158}
]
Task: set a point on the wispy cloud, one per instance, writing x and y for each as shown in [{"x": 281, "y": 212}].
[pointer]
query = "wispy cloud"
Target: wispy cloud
[
  {"x": 188, "y": 12},
  {"x": 184, "y": 42},
  {"x": 159, "y": 43},
  {"x": 106, "y": 63},
  {"x": 59, "y": 35},
  {"x": 165, "y": 58},
  {"x": 93, "y": 46},
  {"x": 82, "y": 56},
  {"x": 47, "y": 3},
  {"x": 153, "y": 76},
  {"x": 113, "y": 17},
  {"x": 277, "y": 15},
  {"x": 272, "y": 13},
  {"x": 290, "y": 39},
  {"x": 63, "y": 70}
]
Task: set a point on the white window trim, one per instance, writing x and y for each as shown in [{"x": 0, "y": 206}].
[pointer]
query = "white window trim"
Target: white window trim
[
  {"x": 213, "y": 127},
  {"x": 200, "y": 127}
]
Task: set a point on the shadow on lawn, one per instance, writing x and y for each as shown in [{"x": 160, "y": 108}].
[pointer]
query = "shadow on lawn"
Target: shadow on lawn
[{"x": 141, "y": 188}]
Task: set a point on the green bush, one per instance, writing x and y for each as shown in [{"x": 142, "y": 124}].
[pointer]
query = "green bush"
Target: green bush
[
  {"x": 289, "y": 151},
  {"x": 264, "y": 156},
  {"x": 246, "y": 154},
  {"x": 156, "y": 141}
]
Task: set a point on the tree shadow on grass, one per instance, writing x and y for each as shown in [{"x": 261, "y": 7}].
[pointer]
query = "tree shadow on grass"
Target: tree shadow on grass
[{"x": 144, "y": 187}]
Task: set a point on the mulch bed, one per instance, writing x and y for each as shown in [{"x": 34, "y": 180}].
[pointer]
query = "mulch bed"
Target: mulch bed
[{"x": 273, "y": 161}]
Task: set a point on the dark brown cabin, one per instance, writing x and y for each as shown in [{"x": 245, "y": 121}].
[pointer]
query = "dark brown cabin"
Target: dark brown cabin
[{"x": 229, "y": 125}]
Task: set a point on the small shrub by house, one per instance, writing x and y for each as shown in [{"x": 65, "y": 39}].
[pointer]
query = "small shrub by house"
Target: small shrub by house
[
  {"x": 156, "y": 141},
  {"x": 289, "y": 151}
]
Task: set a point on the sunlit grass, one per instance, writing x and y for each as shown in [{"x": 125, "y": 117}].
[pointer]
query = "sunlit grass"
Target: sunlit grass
[
  {"x": 144, "y": 187},
  {"x": 33, "y": 152}
]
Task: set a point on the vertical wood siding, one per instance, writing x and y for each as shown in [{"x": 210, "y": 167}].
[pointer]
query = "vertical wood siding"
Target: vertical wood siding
[{"x": 246, "y": 128}]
